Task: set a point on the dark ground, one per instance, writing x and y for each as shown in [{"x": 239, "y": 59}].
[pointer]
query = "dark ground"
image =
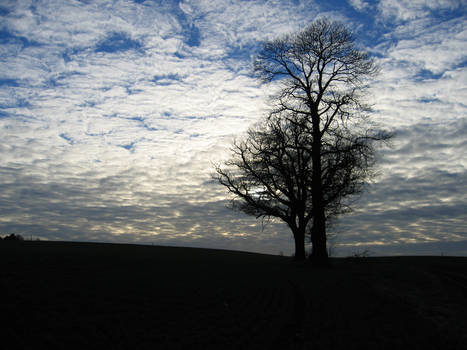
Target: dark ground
[{"x": 56, "y": 295}]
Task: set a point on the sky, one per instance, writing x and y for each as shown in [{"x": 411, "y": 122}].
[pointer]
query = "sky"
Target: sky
[{"x": 112, "y": 114}]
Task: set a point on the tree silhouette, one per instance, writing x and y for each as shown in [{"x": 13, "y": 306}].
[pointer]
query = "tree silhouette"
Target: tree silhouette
[
  {"x": 13, "y": 237},
  {"x": 317, "y": 146},
  {"x": 270, "y": 174}
]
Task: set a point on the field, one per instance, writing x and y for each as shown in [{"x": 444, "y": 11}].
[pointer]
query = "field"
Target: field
[{"x": 57, "y": 295}]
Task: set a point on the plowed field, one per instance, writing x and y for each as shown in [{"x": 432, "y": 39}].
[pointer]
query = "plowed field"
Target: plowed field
[{"x": 57, "y": 295}]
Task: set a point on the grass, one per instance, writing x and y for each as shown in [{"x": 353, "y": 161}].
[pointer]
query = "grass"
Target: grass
[{"x": 57, "y": 295}]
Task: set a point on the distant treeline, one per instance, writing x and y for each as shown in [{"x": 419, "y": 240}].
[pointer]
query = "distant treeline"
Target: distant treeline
[{"x": 12, "y": 237}]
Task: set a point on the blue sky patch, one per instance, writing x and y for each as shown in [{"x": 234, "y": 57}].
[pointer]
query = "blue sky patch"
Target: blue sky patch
[
  {"x": 9, "y": 82},
  {"x": 132, "y": 91},
  {"x": 4, "y": 114},
  {"x": 4, "y": 11},
  {"x": 67, "y": 139},
  {"x": 69, "y": 53},
  {"x": 426, "y": 74},
  {"x": 129, "y": 146},
  {"x": 179, "y": 55},
  {"x": 190, "y": 31},
  {"x": 192, "y": 37},
  {"x": 7, "y": 37},
  {"x": 167, "y": 79},
  {"x": 429, "y": 99},
  {"x": 118, "y": 42},
  {"x": 138, "y": 119},
  {"x": 22, "y": 103}
]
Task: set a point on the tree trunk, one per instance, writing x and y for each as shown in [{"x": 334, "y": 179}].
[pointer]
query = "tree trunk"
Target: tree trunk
[
  {"x": 299, "y": 238},
  {"x": 319, "y": 254}
]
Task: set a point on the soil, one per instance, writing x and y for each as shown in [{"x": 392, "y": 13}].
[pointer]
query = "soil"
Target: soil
[{"x": 63, "y": 295}]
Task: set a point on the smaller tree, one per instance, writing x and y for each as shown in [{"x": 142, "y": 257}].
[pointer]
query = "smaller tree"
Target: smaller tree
[{"x": 269, "y": 176}]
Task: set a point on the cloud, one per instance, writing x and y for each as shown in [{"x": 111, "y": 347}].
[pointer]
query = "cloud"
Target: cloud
[
  {"x": 419, "y": 94},
  {"x": 419, "y": 195},
  {"x": 112, "y": 113},
  {"x": 100, "y": 207},
  {"x": 359, "y": 5},
  {"x": 424, "y": 44},
  {"x": 404, "y": 10}
]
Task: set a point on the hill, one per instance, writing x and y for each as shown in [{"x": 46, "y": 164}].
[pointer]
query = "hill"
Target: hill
[{"x": 57, "y": 295}]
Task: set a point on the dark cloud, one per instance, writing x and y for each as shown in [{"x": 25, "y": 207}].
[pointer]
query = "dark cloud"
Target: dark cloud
[
  {"x": 420, "y": 195},
  {"x": 72, "y": 211}
]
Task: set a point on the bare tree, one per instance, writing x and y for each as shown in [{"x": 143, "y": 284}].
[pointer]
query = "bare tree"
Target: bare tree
[
  {"x": 316, "y": 148},
  {"x": 323, "y": 76},
  {"x": 269, "y": 175}
]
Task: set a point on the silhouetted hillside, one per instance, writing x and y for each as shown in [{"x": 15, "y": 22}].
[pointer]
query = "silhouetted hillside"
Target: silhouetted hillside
[{"x": 57, "y": 295}]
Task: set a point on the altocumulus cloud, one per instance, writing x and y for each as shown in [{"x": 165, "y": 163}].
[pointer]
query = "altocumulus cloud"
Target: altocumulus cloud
[{"x": 111, "y": 114}]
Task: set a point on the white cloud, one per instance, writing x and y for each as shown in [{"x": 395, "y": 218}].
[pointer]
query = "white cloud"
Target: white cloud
[
  {"x": 83, "y": 121},
  {"x": 404, "y": 10},
  {"x": 359, "y": 5},
  {"x": 434, "y": 46}
]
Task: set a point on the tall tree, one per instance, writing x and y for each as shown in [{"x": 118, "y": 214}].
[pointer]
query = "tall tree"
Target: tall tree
[
  {"x": 316, "y": 147},
  {"x": 323, "y": 76}
]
